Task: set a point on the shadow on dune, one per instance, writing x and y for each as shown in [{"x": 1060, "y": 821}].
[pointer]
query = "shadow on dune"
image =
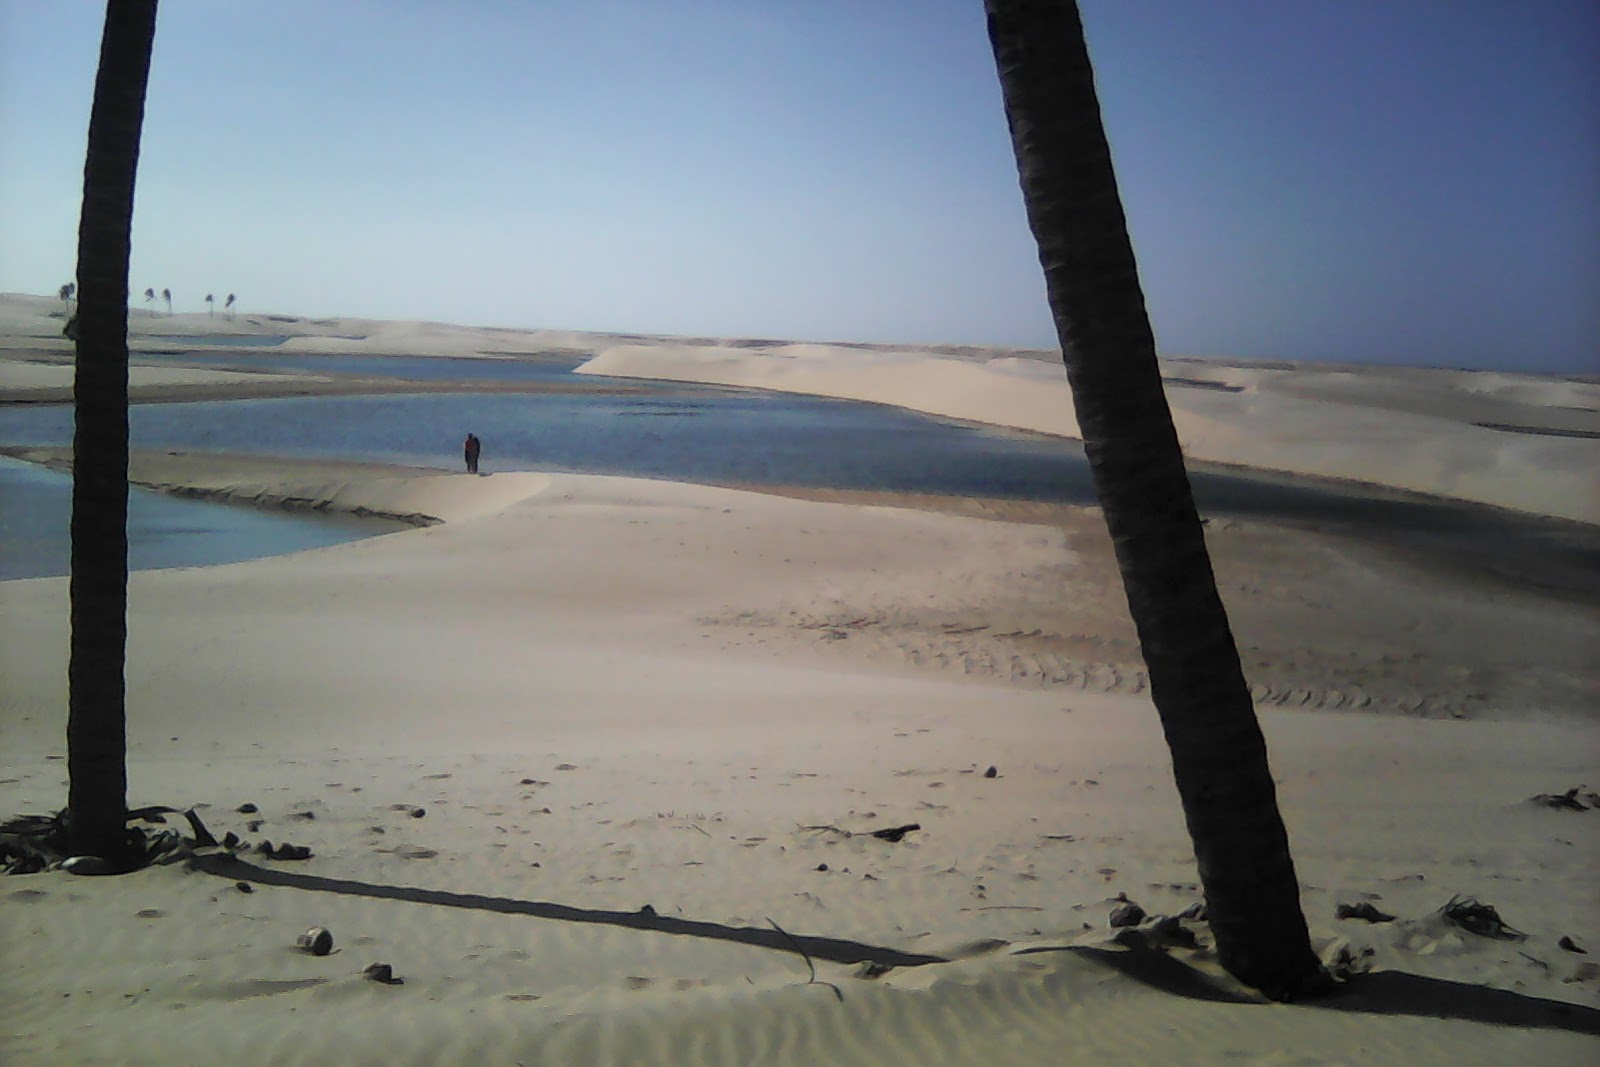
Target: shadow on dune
[
  {"x": 1381, "y": 993},
  {"x": 836, "y": 950},
  {"x": 1399, "y": 993},
  {"x": 1159, "y": 971}
]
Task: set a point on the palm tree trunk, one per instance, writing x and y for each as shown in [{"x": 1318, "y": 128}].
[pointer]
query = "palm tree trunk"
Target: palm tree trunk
[
  {"x": 1219, "y": 756},
  {"x": 96, "y": 729}
]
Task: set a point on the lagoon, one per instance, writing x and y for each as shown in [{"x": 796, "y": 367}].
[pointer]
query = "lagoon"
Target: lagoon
[
  {"x": 755, "y": 438},
  {"x": 163, "y": 531}
]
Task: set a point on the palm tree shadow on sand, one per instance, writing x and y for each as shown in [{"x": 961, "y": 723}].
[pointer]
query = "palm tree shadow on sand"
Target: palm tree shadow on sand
[
  {"x": 835, "y": 950},
  {"x": 1377, "y": 993},
  {"x": 1383, "y": 993}
]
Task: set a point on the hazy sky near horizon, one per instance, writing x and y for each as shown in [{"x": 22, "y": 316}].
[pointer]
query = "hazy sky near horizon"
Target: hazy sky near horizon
[{"x": 1407, "y": 181}]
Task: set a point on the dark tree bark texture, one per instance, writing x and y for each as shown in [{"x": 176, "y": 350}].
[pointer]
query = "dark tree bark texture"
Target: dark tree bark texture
[
  {"x": 96, "y": 728},
  {"x": 1218, "y": 753}
]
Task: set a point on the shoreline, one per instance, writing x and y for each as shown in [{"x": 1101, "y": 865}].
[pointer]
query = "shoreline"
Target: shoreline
[
  {"x": 1400, "y": 428},
  {"x": 266, "y": 385},
  {"x": 1557, "y": 572},
  {"x": 1274, "y": 577},
  {"x": 1520, "y": 442}
]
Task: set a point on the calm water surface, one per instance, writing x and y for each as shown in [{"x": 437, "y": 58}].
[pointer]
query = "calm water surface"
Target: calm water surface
[
  {"x": 749, "y": 437},
  {"x": 163, "y": 531}
]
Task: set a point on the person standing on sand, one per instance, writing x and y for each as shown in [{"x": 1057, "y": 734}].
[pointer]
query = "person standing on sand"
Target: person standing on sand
[{"x": 474, "y": 447}]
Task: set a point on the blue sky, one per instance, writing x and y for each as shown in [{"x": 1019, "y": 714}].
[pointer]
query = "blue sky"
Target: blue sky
[{"x": 1407, "y": 181}]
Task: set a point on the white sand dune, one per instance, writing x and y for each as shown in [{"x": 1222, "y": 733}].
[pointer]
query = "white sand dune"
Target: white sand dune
[
  {"x": 1489, "y": 438},
  {"x": 637, "y": 718},
  {"x": 553, "y": 678}
]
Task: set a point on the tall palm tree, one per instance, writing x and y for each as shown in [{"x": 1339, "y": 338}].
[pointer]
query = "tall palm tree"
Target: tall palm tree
[
  {"x": 166, "y": 294},
  {"x": 1219, "y": 757},
  {"x": 228, "y": 305},
  {"x": 96, "y": 721},
  {"x": 211, "y": 301},
  {"x": 149, "y": 296},
  {"x": 66, "y": 293}
]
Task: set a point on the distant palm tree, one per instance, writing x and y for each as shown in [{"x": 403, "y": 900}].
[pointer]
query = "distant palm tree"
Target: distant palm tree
[
  {"x": 1219, "y": 757},
  {"x": 210, "y": 302},
  {"x": 97, "y": 796},
  {"x": 150, "y": 295},
  {"x": 166, "y": 294},
  {"x": 228, "y": 306},
  {"x": 65, "y": 292}
]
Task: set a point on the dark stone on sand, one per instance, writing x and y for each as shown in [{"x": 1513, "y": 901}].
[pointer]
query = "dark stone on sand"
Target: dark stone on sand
[
  {"x": 247, "y": 809},
  {"x": 1575, "y": 799},
  {"x": 822, "y": 866},
  {"x": 417, "y": 813},
  {"x": 1128, "y": 914},
  {"x": 382, "y": 973},
  {"x": 244, "y": 887},
  {"x": 992, "y": 772},
  {"x": 896, "y": 833},
  {"x": 1168, "y": 930},
  {"x": 284, "y": 851},
  {"x": 1364, "y": 911},
  {"x": 317, "y": 941},
  {"x": 1571, "y": 945}
]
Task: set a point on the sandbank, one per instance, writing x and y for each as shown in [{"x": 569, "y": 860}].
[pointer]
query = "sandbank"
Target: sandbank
[{"x": 1521, "y": 442}]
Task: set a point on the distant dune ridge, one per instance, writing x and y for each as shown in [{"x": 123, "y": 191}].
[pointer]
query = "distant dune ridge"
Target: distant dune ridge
[
  {"x": 592, "y": 762},
  {"x": 1516, "y": 441}
]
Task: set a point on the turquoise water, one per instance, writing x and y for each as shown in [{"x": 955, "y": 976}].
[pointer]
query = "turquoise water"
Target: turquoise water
[{"x": 163, "y": 531}]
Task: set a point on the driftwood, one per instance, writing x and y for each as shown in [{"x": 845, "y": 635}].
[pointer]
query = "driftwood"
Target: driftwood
[
  {"x": 888, "y": 833},
  {"x": 33, "y": 843},
  {"x": 1480, "y": 919},
  {"x": 1578, "y": 798},
  {"x": 1362, "y": 910}
]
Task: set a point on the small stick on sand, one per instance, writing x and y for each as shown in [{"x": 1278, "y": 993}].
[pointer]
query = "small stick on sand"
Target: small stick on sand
[
  {"x": 807, "y": 957},
  {"x": 888, "y": 833}
]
